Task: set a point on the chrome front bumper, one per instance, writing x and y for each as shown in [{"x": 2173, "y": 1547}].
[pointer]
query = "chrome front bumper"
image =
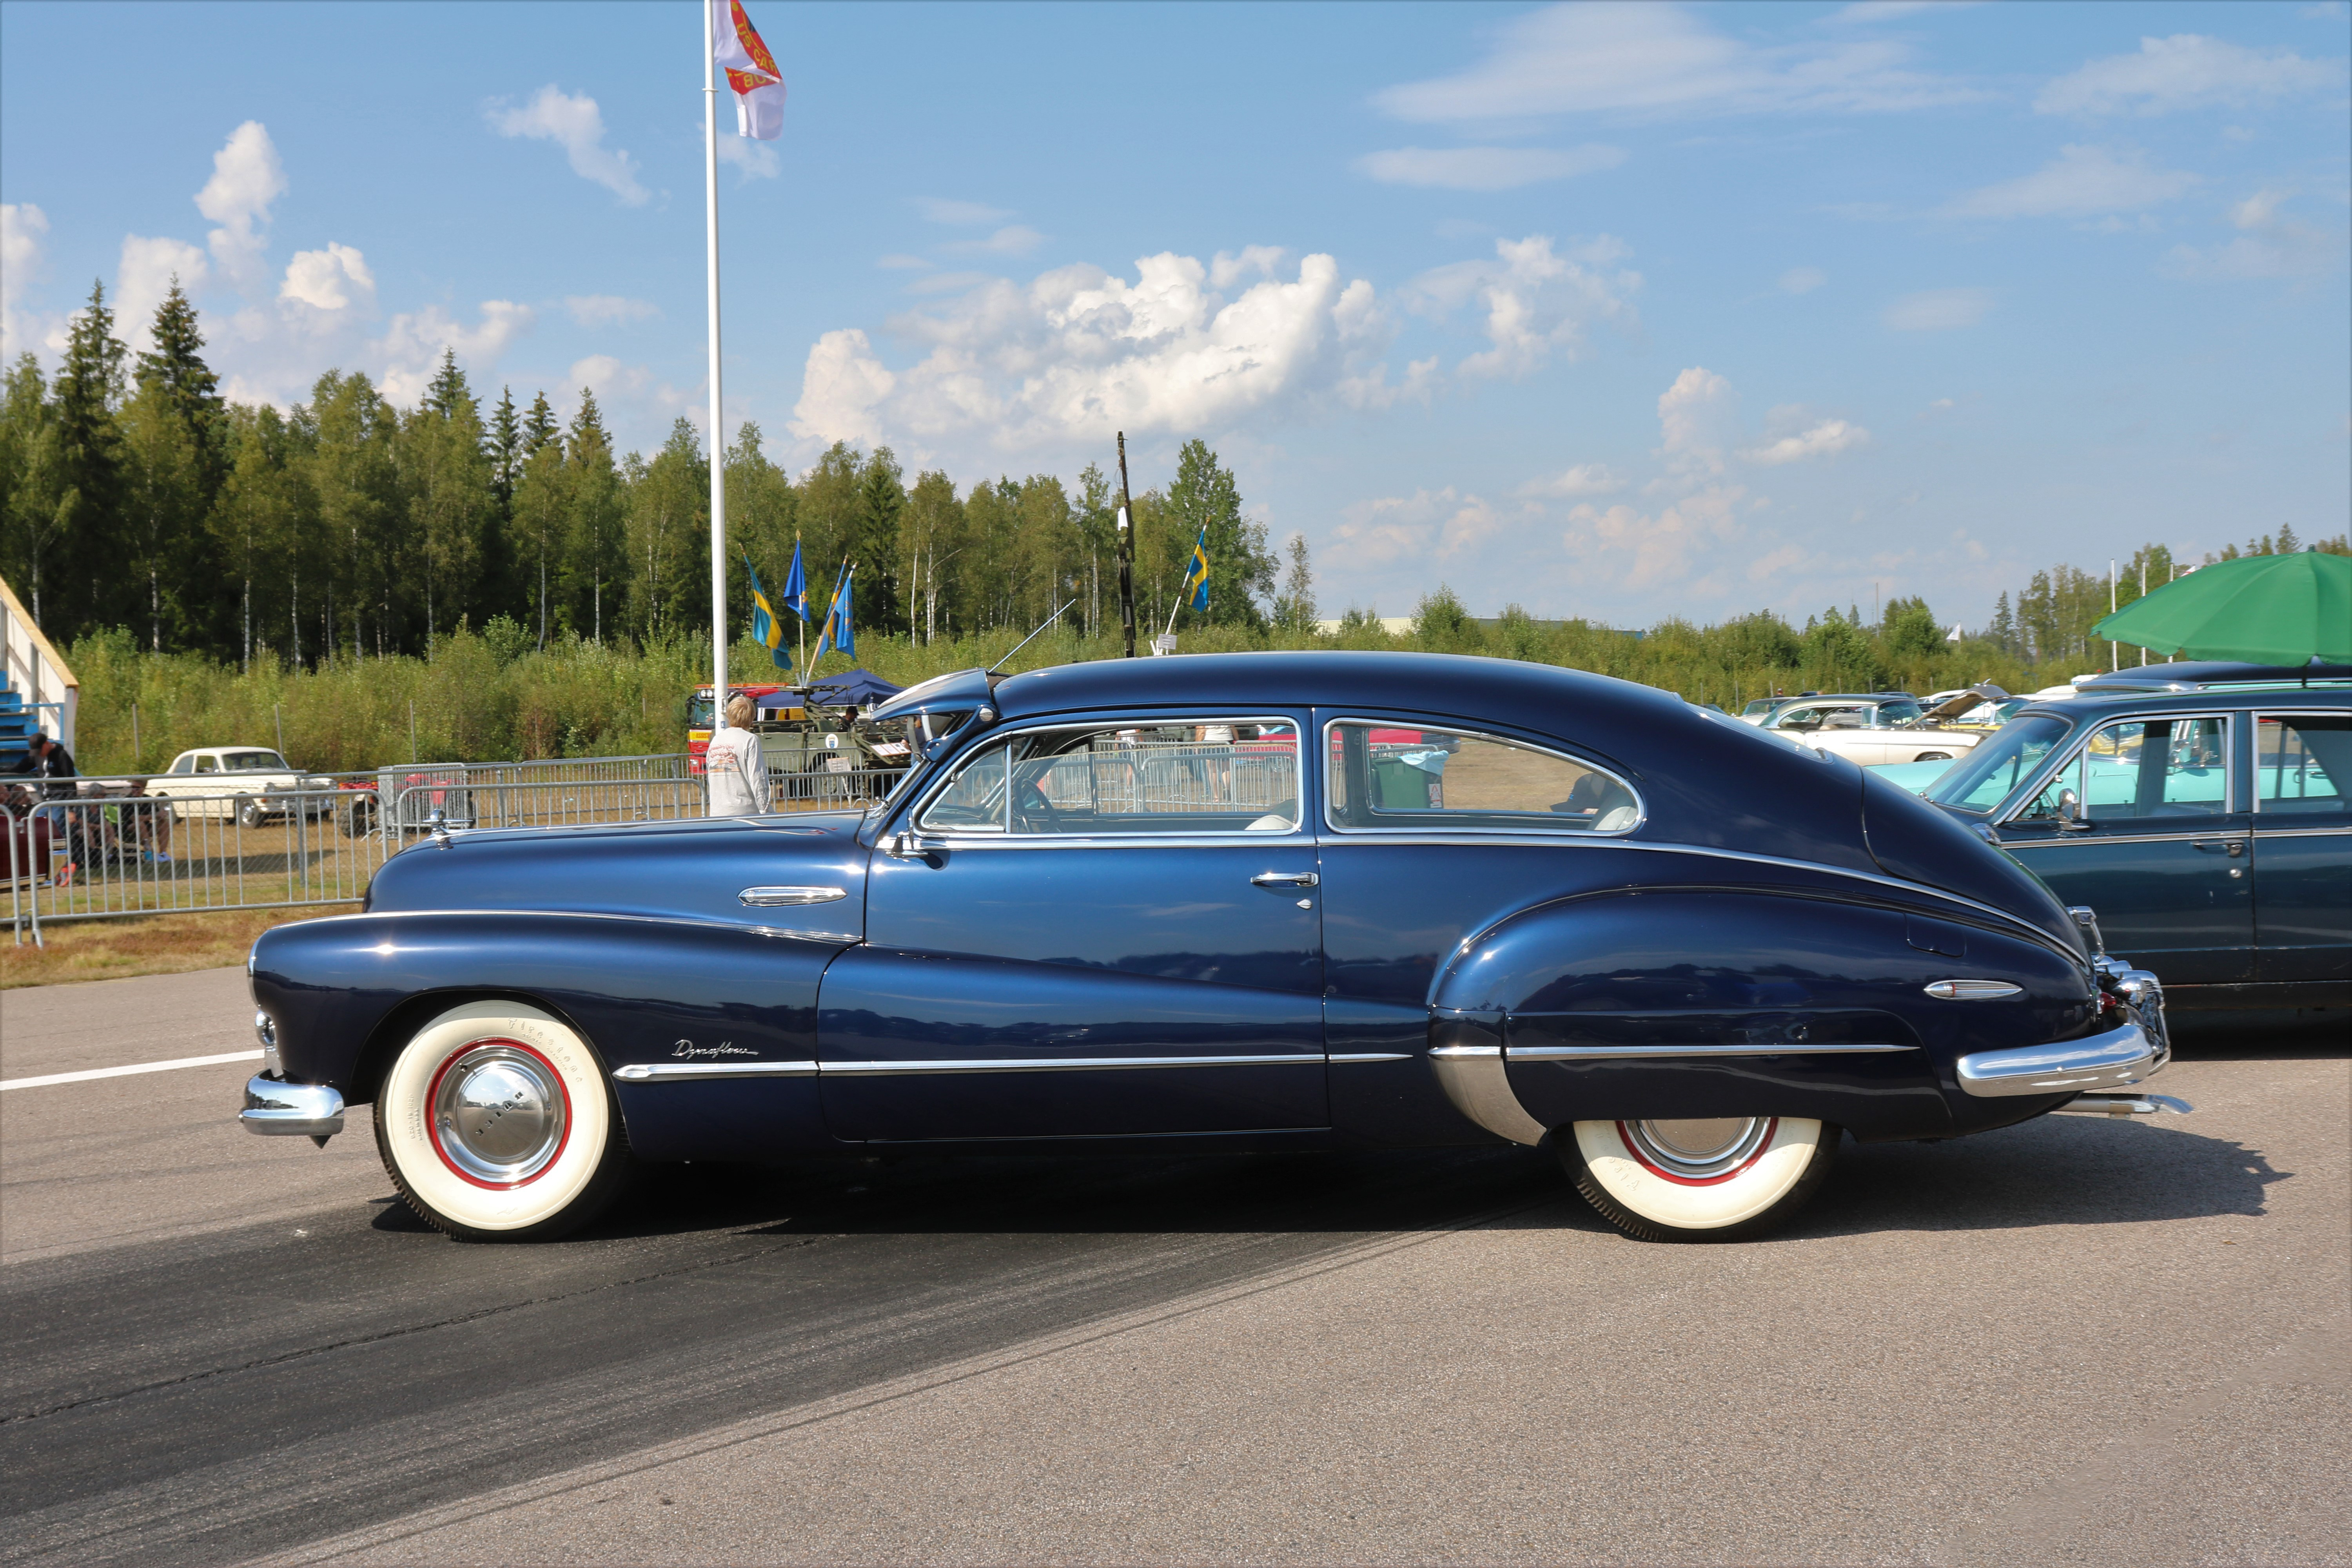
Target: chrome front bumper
[
  {"x": 278, "y": 1110},
  {"x": 2117, "y": 1060}
]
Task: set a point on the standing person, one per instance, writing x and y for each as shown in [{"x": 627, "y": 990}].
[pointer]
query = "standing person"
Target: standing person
[{"x": 737, "y": 772}]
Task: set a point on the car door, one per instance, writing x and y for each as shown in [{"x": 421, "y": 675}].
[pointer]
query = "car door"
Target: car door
[
  {"x": 2156, "y": 850},
  {"x": 2302, "y": 846},
  {"x": 1109, "y": 927}
]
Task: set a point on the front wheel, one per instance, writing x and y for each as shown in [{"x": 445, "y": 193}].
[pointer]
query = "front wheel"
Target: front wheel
[
  {"x": 1728, "y": 1178},
  {"x": 495, "y": 1123}
]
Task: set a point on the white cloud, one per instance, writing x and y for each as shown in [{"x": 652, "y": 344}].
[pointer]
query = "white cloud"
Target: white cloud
[
  {"x": 608, "y": 309},
  {"x": 1486, "y": 168},
  {"x": 1228, "y": 267},
  {"x": 604, "y": 375},
  {"x": 144, "y": 277},
  {"x": 247, "y": 178},
  {"x": 1078, "y": 353},
  {"x": 949, "y": 283},
  {"x": 1584, "y": 479},
  {"x": 1694, "y": 418},
  {"x": 1938, "y": 309},
  {"x": 1802, "y": 279},
  {"x": 2270, "y": 244},
  {"x": 1634, "y": 550},
  {"x": 1826, "y": 440},
  {"x": 1535, "y": 301},
  {"x": 2187, "y": 70},
  {"x": 334, "y": 280},
  {"x": 576, "y": 125},
  {"x": 1014, "y": 239},
  {"x": 757, "y": 160},
  {"x": 411, "y": 348},
  {"x": 2083, "y": 180},
  {"x": 1656, "y": 59},
  {"x": 1440, "y": 523},
  {"x": 22, "y": 225},
  {"x": 966, "y": 214}
]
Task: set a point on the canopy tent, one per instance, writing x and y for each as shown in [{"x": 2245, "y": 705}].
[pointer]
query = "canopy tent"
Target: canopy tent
[
  {"x": 2265, "y": 609},
  {"x": 862, "y": 687}
]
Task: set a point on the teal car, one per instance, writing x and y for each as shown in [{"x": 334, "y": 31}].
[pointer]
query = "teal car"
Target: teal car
[{"x": 2201, "y": 810}]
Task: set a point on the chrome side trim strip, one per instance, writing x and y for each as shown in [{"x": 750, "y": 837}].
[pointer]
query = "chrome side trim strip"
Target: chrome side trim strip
[
  {"x": 675, "y": 1072},
  {"x": 770, "y": 898},
  {"x": 2117, "y": 1060},
  {"x": 2261, "y": 832},
  {"x": 1972, "y": 990},
  {"x": 1369, "y": 1057},
  {"x": 1592, "y": 1053},
  {"x": 1053, "y": 1064},
  {"x": 805, "y": 935}
]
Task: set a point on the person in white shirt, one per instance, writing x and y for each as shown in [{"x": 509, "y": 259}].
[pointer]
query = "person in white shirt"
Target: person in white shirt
[{"x": 736, "y": 774}]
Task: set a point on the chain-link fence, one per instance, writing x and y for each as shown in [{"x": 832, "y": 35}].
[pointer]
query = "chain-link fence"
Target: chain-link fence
[{"x": 162, "y": 846}]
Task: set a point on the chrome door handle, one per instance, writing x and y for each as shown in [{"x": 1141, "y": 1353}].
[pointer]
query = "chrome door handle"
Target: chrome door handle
[
  {"x": 774, "y": 898},
  {"x": 2235, "y": 847},
  {"x": 1284, "y": 879}
]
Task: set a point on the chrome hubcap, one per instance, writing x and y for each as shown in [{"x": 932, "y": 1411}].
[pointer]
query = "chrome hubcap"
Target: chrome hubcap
[
  {"x": 1697, "y": 1150},
  {"x": 499, "y": 1113}
]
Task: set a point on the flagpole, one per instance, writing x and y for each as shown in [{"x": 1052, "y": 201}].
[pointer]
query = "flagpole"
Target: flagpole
[{"x": 717, "y": 438}]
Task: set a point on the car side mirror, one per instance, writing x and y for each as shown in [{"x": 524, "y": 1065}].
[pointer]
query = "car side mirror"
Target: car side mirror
[
  {"x": 2070, "y": 813},
  {"x": 902, "y": 847}
]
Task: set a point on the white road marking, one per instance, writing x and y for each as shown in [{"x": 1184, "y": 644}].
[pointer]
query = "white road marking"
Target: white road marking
[{"x": 123, "y": 1072}]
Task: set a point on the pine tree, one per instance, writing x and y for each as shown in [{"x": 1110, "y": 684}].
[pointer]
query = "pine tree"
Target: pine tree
[
  {"x": 88, "y": 391},
  {"x": 540, "y": 426},
  {"x": 450, "y": 494},
  {"x": 595, "y": 490}
]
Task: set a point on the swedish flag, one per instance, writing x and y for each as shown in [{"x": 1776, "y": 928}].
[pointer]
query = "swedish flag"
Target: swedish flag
[
  {"x": 837, "y": 633},
  {"x": 1196, "y": 576},
  {"x": 796, "y": 585},
  {"x": 767, "y": 628}
]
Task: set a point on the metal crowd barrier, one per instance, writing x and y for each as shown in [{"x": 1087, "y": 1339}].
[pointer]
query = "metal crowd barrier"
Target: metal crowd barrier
[{"x": 115, "y": 853}]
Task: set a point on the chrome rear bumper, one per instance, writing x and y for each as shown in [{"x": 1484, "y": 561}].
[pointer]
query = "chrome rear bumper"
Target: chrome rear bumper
[
  {"x": 291, "y": 1109},
  {"x": 2117, "y": 1060}
]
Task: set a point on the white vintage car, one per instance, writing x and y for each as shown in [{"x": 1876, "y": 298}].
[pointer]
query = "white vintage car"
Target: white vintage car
[
  {"x": 1873, "y": 730},
  {"x": 252, "y": 783}
]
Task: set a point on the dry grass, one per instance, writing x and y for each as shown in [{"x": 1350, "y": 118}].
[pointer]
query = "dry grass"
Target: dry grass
[{"x": 143, "y": 945}]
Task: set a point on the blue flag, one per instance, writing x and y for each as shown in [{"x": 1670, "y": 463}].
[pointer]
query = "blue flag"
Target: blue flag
[
  {"x": 796, "y": 585},
  {"x": 1196, "y": 576},
  {"x": 767, "y": 629},
  {"x": 838, "y": 633}
]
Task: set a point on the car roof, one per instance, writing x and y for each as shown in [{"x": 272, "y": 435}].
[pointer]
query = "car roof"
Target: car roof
[{"x": 2088, "y": 704}]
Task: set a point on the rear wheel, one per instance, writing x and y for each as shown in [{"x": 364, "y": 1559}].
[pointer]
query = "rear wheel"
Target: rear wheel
[
  {"x": 249, "y": 812},
  {"x": 497, "y": 1124},
  {"x": 1728, "y": 1178}
]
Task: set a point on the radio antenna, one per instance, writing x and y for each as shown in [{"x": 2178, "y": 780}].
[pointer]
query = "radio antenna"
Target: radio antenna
[{"x": 1024, "y": 642}]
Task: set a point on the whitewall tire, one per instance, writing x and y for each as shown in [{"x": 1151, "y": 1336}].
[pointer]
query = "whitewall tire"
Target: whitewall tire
[
  {"x": 497, "y": 1124},
  {"x": 1715, "y": 1179}
]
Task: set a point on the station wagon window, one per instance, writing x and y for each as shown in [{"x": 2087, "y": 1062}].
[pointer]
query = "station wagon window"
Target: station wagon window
[
  {"x": 1397, "y": 776},
  {"x": 2303, "y": 761},
  {"x": 2139, "y": 769},
  {"x": 1133, "y": 780}
]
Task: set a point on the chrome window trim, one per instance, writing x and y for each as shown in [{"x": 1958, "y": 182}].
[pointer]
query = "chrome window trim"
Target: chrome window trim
[
  {"x": 2085, "y": 838},
  {"x": 2009, "y": 810},
  {"x": 966, "y": 838},
  {"x": 2254, "y": 751},
  {"x": 1540, "y": 836},
  {"x": 1342, "y": 1056},
  {"x": 2261, "y": 832},
  {"x": 896, "y": 1067}
]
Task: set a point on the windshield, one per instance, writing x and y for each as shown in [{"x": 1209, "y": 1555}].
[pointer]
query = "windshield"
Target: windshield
[
  {"x": 1984, "y": 777},
  {"x": 697, "y": 711},
  {"x": 919, "y": 731}
]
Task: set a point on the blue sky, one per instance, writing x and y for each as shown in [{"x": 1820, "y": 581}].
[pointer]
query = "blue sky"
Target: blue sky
[{"x": 1612, "y": 311}]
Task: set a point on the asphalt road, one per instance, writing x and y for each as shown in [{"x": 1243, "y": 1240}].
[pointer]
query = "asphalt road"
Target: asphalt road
[{"x": 2071, "y": 1342}]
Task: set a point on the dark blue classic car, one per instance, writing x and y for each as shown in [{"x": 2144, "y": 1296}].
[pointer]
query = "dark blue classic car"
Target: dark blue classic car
[
  {"x": 2201, "y": 808},
  {"x": 1272, "y": 902}
]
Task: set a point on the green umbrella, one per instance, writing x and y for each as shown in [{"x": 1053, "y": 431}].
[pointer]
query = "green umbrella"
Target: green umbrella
[{"x": 2262, "y": 609}]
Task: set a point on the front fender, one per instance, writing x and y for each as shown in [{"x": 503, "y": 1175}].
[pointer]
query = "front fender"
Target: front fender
[
  {"x": 1696, "y": 1002},
  {"x": 348, "y": 993}
]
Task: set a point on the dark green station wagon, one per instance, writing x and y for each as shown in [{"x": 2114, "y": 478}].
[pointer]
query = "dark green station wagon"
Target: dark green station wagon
[{"x": 2203, "y": 810}]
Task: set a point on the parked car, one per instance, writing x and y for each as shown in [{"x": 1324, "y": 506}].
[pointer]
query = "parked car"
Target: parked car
[
  {"x": 2201, "y": 808},
  {"x": 1868, "y": 729},
  {"x": 252, "y": 783},
  {"x": 1285, "y": 901}
]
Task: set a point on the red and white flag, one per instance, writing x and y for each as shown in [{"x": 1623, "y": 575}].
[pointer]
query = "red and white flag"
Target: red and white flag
[{"x": 750, "y": 71}]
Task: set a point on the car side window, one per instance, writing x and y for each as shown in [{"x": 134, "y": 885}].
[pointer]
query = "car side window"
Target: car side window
[
  {"x": 2303, "y": 761},
  {"x": 1128, "y": 779},
  {"x": 2139, "y": 769},
  {"x": 184, "y": 765},
  {"x": 1449, "y": 781},
  {"x": 207, "y": 764}
]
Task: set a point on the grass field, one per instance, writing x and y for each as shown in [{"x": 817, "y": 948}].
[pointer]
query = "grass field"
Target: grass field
[{"x": 143, "y": 945}]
